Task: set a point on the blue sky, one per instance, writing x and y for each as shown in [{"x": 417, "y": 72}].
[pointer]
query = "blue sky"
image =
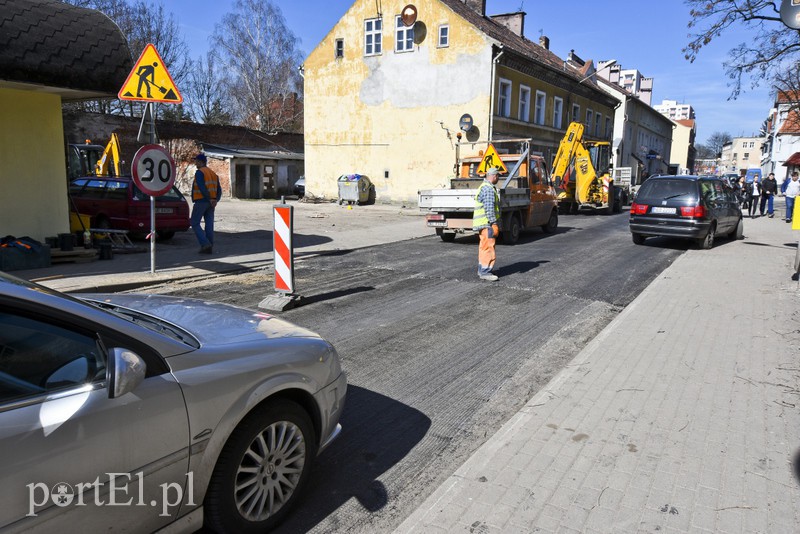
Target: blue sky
[{"x": 639, "y": 34}]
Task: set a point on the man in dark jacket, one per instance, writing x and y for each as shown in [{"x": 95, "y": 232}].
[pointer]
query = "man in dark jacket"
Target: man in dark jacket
[{"x": 769, "y": 188}]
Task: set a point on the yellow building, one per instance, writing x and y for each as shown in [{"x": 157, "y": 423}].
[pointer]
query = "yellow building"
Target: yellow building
[
  {"x": 386, "y": 94},
  {"x": 49, "y": 58}
]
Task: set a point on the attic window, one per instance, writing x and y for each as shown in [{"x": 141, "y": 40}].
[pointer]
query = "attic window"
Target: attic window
[
  {"x": 403, "y": 36},
  {"x": 444, "y": 36},
  {"x": 372, "y": 37},
  {"x": 339, "y": 51}
]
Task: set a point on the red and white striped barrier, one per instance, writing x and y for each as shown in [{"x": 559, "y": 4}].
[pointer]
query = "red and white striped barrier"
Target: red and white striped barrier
[{"x": 282, "y": 247}]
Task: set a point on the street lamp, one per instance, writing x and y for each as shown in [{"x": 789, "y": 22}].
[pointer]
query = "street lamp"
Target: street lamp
[{"x": 608, "y": 64}]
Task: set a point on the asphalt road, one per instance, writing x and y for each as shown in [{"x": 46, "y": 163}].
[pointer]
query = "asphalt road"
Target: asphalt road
[{"x": 438, "y": 360}]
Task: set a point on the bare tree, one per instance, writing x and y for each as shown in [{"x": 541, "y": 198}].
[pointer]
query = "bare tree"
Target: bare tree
[
  {"x": 262, "y": 54},
  {"x": 717, "y": 141},
  {"x": 203, "y": 92},
  {"x": 767, "y": 57},
  {"x": 141, "y": 23}
]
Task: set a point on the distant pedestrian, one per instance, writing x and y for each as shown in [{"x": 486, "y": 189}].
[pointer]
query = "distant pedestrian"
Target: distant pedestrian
[
  {"x": 486, "y": 221},
  {"x": 742, "y": 193},
  {"x": 206, "y": 192},
  {"x": 769, "y": 187},
  {"x": 792, "y": 190},
  {"x": 753, "y": 193}
]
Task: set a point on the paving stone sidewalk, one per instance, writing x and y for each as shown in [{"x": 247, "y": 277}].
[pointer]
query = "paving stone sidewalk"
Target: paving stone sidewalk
[{"x": 681, "y": 416}]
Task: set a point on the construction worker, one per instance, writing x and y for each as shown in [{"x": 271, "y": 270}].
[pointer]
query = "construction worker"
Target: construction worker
[
  {"x": 486, "y": 221},
  {"x": 206, "y": 192}
]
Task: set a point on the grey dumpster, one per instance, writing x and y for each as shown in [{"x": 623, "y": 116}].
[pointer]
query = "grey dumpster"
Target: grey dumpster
[{"x": 354, "y": 188}]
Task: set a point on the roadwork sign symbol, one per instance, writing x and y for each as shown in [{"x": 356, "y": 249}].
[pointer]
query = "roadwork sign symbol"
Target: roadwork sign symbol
[
  {"x": 149, "y": 80},
  {"x": 491, "y": 160}
]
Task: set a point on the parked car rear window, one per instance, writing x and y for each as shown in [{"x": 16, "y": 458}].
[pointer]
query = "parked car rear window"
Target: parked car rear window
[
  {"x": 117, "y": 190},
  {"x": 172, "y": 195},
  {"x": 665, "y": 189}
]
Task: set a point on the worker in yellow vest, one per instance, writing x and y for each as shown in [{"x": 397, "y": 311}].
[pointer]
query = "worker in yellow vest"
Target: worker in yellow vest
[
  {"x": 206, "y": 192},
  {"x": 486, "y": 221}
]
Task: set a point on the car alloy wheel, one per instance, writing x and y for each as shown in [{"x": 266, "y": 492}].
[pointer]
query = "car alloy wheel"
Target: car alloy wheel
[{"x": 261, "y": 470}]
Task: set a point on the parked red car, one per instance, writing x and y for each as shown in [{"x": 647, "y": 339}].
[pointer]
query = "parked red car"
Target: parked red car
[{"x": 115, "y": 202}]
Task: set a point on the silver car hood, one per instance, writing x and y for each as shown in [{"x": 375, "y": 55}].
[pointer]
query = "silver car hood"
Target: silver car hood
[{"x": 212, "y": 323}]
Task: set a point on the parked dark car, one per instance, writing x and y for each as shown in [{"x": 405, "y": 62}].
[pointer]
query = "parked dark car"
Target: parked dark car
[
  {"x": 691, "y": 207},
  {"x": 115, "y": 202}
]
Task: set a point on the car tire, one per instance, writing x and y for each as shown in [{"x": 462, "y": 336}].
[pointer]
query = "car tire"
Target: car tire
[
  {"x": 285, "y": 466},
  {"x": 638, "y": 239},
  {"x": 552, "y": 222},
  {"x": 738, "y": 231},
  {"x": 165, "y": 236},
  {"x": 448, "y": 237},
  {"x": 707, "y": 242},
  {"x": 511, "y": 234}
]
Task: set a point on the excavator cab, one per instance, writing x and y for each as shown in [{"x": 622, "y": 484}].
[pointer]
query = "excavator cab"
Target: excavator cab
[{"x": 600, "y": 154}]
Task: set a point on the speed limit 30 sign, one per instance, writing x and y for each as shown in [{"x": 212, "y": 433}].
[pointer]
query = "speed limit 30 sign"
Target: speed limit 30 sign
[{"x": 153, "y": 170}]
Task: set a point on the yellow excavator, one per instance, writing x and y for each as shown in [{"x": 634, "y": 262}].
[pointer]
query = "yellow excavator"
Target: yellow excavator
[
  {"x": 581, "y": 171},
  {"x": 88, "y": 159}
]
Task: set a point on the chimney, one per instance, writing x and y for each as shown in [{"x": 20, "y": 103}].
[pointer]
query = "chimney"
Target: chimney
[
  {"x": 477, "y": 5},
  {"x": 513, "y": 21},
  {"x": 544, "y": 42}
]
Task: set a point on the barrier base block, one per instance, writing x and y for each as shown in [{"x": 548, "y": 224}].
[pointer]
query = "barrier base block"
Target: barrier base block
[{"x": 280, "y": 302}]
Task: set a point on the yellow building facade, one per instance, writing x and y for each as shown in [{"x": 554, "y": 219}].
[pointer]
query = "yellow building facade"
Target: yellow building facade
[{"x": 386, "y": 100}]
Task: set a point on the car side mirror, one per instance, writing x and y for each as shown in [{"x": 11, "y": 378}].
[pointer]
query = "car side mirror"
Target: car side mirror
[{"x": 126, "y": 370}]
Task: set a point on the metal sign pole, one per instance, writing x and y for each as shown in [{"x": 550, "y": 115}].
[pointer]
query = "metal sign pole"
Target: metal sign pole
[{"x": 151, "y": 113}]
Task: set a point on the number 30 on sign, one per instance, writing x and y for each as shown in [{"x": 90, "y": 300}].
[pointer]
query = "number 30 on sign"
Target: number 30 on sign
[{"x": 153, "y": 170}]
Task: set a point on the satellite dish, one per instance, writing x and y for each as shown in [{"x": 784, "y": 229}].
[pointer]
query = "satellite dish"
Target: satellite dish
[
  {"x": 790, "y": 13},
  {"x": 465, "y": 122},
  {"x": 409, "y": 15}
]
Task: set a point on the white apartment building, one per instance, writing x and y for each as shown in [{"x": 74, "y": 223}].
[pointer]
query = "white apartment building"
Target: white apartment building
[
  {"x": 675, "y": 111},
  {"x": 741, "y": 153},
  {"x": 629, "y": 79},
  {"x": 781, "y": 150}
]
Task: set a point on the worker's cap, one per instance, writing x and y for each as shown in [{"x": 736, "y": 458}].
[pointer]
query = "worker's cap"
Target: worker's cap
[
  {"x": 201, "y": 157},
  {"x": 493, "y": 170}
]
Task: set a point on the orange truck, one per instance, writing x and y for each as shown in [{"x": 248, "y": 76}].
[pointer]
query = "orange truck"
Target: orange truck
[{"x": 527, "y": 197}]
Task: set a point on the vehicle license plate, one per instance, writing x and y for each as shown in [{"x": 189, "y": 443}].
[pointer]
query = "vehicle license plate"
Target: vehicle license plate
[
  {"x": 165, "y": 210},
  {"x": 437, "y": 223},
  {"x": 660, "y": 209}
]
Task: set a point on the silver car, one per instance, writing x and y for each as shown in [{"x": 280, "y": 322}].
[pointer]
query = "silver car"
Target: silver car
[{"x": 138, "y": 412}]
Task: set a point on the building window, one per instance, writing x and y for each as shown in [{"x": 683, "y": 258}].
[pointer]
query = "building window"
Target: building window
[
  {"x": 598, "y": 121},
  {"x": 444, "y": 36},
  {"x": 504, "y": 98},
  {"x": 372, "y": 37},
  {"x": 558, "y": 110},
  {"x": 589, "y": 119},
  {"x": 403, "y": 36},
  {"x": 538, "y": 114},
  {"x": 576, "y": 113},
  {"x": 746, "y": 156},
  {"x": 608, "y": 128},
  {"x": 339, "y": 53},
  {"x": 524, "y": 103}
]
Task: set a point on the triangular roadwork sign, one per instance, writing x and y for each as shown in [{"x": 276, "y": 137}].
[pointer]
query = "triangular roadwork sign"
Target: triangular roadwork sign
[
  {"x": 149, "y": 80},
  {"x": 491, "y": 160}
]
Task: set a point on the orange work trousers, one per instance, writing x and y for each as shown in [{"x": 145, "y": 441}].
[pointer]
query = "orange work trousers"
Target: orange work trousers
[{"x": 486, "y": 256}]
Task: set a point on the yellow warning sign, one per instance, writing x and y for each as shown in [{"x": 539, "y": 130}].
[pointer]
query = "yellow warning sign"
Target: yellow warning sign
[
  {"x": 491, "y": 160},
  {"x": 149, "y": 80}
]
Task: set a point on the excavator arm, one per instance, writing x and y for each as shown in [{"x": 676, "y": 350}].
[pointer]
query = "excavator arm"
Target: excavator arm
[
  {"x": 567, "y": 149},
  {"x": 110, "y": 154}
]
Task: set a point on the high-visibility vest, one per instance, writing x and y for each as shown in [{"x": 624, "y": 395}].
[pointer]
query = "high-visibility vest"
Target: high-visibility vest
[
  {"x": 479, "y": 217},
  {"x": 211, "y": 181}
]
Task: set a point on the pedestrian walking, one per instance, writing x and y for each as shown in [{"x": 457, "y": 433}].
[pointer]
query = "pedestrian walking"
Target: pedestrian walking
[
  {"x": 754, "y": 192},
  {"x": 792, "y": 190},
  {"x": 486, "y": 221},
  {"x": 769, "y": 187},
  {"x": 743, "y": 193},
  {"x": 206, "y": 192}
]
